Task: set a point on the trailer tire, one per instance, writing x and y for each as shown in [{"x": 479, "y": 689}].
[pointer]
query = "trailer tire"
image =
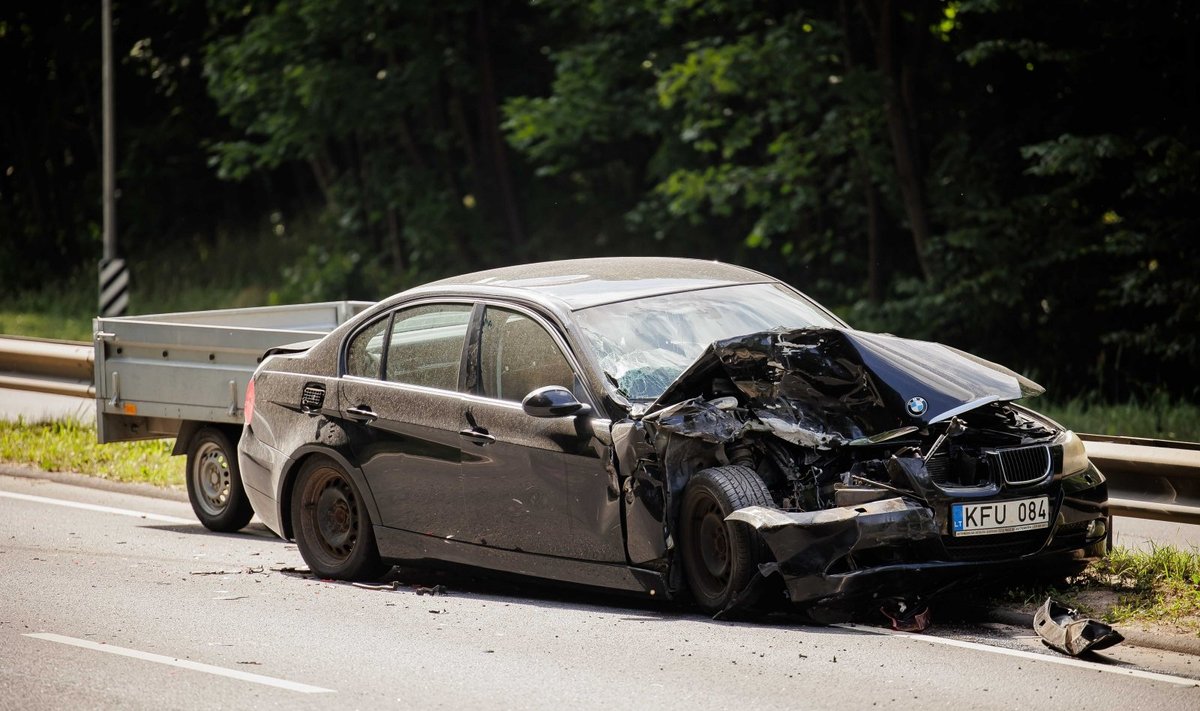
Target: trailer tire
[{"x": 214, "y": 482}]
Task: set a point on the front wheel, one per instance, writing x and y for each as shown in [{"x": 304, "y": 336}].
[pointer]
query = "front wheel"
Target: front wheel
[
  {"x": 214, "y": 482},
  {"x": 332, "y": 527},
  {"x": 721, "y": 557}
]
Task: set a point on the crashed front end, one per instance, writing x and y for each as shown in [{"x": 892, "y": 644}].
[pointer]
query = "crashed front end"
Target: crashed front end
[{"x": 896, "y": 466}]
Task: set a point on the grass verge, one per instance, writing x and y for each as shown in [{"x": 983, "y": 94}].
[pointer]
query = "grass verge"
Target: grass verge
[
  {"x": 70, "y": 446},
  {"x": 1155, "y": 588},
  {"x": 1156, "y": 418},
  {"x": 227, "y": 270}
]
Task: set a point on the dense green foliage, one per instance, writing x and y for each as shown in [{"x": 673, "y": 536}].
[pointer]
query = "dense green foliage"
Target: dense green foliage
[{"x": 1015, "y": 178}]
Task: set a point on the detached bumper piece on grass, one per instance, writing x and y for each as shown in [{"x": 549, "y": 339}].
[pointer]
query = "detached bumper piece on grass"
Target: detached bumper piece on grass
[{"x": 1064, "y": 630}]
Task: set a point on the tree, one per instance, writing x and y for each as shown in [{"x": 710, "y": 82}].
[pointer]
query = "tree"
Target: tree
[{"x": 394, "y": 109}]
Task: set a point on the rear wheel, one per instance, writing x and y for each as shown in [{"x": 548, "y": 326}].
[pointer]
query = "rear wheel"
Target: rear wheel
[
  {"x": 721, "y": 557},
  {"x": 332, "y": 527},
  {"x": 214, "y": 482}
]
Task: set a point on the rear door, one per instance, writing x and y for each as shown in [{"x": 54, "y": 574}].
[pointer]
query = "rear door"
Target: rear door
[{"x": 401, "y": 401}]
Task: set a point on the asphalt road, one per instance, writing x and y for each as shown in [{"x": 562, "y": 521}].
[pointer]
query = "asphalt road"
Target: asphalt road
[{"x": 111, "y": 600}]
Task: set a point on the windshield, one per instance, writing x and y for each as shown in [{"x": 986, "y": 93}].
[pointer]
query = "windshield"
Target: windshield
[{"x": 643, "y": 345}]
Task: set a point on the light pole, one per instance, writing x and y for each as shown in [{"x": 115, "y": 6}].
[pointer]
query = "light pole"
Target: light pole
[{"x": 114, "y": 277}]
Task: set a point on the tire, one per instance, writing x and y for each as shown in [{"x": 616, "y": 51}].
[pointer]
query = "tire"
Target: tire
[
  {"x": 331, "y": 524},
  {"x": 214, "y": 482},
  {"x": 720, "y": 557}
]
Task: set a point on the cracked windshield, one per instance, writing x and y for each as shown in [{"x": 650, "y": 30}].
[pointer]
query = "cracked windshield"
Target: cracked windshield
[{"x": 643, "y": 345}]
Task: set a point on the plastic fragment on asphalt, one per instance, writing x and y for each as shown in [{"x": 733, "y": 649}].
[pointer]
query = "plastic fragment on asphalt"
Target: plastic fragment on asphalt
[
  {"x": 246, "y": 570},
  {"x": 905, "y": 616},
  {"x": 385, "y": 586},
  {"x": 1064, "y": 630}
]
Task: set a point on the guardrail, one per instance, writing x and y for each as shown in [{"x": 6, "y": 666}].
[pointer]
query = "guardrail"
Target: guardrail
[
  {"x": 1147, "y": 478},
  {"x": 44, "y": 366}
]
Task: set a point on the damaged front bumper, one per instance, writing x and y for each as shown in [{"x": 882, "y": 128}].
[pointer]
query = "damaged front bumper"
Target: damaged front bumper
[{"x": 899, "y": 547}]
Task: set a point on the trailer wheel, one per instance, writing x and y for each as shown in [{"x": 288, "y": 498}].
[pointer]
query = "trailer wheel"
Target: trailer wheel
[
  {"x": 721, "y": 557},
  {"x": 214, "y": 482}
]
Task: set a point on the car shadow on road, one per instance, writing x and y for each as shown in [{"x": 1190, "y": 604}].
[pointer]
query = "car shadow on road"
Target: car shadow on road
[
  {"x": 515, "y": 590},
  {"x": 254, "y": 530}
]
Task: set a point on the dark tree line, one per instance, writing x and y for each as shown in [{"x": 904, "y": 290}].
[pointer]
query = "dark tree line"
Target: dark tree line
[{"x": 1017, "y": 178}]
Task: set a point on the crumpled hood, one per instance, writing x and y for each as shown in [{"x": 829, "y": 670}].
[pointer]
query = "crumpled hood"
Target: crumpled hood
[{"x": 842, "y": 384}]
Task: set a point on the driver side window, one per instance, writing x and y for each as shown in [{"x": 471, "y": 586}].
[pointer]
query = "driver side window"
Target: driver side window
[{"x": 518, "y": 356}]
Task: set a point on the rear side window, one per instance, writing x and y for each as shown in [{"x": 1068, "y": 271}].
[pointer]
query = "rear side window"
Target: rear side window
[
  {"x": 365, "y": 355},
  {"x": 426, "y": 343}
]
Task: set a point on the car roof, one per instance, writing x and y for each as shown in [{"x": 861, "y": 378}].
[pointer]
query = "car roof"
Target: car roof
[{"x": 583, "y": 283}]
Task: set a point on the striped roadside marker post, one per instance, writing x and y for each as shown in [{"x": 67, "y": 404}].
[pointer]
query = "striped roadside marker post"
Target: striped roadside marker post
[{"x": 114, "y": 287}]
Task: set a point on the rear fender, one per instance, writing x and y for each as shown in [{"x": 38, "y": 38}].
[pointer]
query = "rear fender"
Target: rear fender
[{"x": 292, "y": 468}]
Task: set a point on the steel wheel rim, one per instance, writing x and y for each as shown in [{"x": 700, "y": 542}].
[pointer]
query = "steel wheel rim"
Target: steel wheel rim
[
  {"x": 711, "y": 555},
  {"x": 213, "y": 478},
  {"x": 333, "y": 515}
]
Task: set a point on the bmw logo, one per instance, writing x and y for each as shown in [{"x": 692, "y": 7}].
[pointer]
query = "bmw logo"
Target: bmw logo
[{"x": 917, "y": 406}]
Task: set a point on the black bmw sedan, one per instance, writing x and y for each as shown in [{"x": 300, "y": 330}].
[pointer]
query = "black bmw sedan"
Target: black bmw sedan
[{"x": 667, "y": 427}]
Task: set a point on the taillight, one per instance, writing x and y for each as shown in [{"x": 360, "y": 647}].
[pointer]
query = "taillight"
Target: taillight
[{"x": 248, "y": 406}]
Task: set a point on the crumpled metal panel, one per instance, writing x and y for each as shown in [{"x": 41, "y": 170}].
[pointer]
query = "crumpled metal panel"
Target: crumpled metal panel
[
  {"x": 809, "y": 543},
  {"x": 1064, "y": 630},
  {"x": 822, "y": 387},
  {"x": 698, "y": 418}
]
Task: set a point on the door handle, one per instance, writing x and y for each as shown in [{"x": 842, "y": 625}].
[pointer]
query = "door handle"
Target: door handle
[
  {"x": 480, "y": 438},
  {"x": 362, "y": 413}
]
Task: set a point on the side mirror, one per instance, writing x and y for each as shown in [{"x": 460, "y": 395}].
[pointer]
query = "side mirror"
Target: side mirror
[{"x": 553, "y": 401}]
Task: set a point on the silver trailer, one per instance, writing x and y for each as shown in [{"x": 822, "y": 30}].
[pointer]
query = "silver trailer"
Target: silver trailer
[{"x": 184, "y": 375}]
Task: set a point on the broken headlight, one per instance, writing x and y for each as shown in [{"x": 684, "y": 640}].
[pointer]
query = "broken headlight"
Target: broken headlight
[{"x": 1074, "y": 456}]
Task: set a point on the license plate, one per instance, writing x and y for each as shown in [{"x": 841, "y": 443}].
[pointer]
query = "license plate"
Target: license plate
[{"x": 991, "y": 517}]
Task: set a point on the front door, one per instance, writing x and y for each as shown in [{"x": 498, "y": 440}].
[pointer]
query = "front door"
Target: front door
[{"x": 538, "y": 485}]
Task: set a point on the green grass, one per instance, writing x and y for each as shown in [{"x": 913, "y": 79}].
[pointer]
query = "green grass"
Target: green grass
[
  {"x": 70, "y": 446},
  {"x": 1159, "y": 586},
  {"x": 1162, "y": 585},
  {"x": 61, "y": 310},
  {"x": 228, "y": 270},
  {"x": 1156, "y": 418}
]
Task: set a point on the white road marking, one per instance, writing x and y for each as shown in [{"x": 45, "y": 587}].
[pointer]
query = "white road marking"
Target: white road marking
[
  {"x": 183, "y": 664},
  {"x": 96, "y": 507},
  {"x": 1065, "y": 661}
]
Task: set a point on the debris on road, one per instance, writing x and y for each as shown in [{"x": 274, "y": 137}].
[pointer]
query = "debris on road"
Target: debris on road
[
  {"x": 290, "y": 570},
  {"x": 1064, "y": 630},
  {"x": 246, "y": 570},
  {"x": 385, "y": 586},
  {"x": 435, "y": 590},
  {"x": 906, "y": 617}
]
